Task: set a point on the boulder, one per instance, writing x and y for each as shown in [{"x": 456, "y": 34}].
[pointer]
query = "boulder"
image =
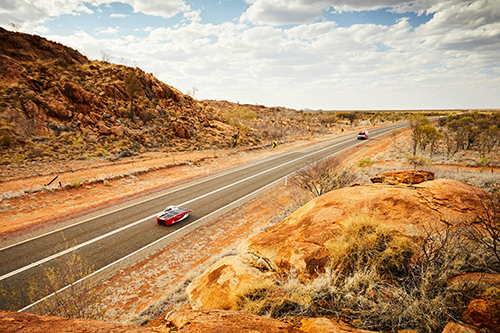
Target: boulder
[
  {"x": 219, "y": 321},
  {"x": 31, "y": 109},
  {"x": 105, "y": 130},
  {"x": 298, "y": 243},
  {"x": 10, "y": 70},
  {"x": 76, "y": 93},
  {"x": 57, "y": 109},
  {"x": 480, "y": 280},
  {"x": 118, "y": 130},
  {"x": 403, "y": 177},
  {"x": 182, "y": 131},
  {"x": 218, "y": 287},
  {"x": 484, "y": 313},
  {"x": 17, "y": 118}
]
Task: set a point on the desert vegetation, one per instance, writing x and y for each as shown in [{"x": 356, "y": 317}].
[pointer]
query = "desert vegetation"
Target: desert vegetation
[
  {"x": 65, "y": 290},
  {"x": 380, "y": 281}
]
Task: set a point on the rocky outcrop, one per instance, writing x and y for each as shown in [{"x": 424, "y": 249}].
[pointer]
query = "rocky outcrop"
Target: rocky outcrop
[
  {"x": 403, "y": 177},
  {"x": 218, "y": 321},
  {"x": 226, "y": 279},
  {"x": 11, "y": 322},
  {"x": 298, "y": 244}
]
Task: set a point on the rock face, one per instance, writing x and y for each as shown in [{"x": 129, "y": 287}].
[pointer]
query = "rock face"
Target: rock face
[
  {"x": 11, "y": 322},
  {"x": 223, "y": 321},
  {"x": 298, "y": 243}
]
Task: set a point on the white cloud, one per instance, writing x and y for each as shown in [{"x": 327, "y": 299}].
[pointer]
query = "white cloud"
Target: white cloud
[
  {"x": 118, "y": 15},
  {"x": 193, "y": 16},
  {"x": 162, "y": 8},
  {"x": 32, "y": 12},
  {"x": 110, "y": 30},
  {"x": 280, "y": 12}
]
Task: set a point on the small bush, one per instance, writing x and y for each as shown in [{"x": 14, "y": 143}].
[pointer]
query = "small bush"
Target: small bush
[
  {"x": 417, "y": 161},
  {"x": 19, "y": 158},
  {"x": 6, "y": 140},
  {"x": 325, "y": 176},
  {"x": 71, "y": 297},
  {"x": 365, "y": 162},
  {"x": 75, "y": 183}
]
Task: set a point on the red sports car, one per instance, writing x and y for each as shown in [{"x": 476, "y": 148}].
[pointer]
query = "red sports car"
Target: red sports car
[{"x": 171, "y": 215}]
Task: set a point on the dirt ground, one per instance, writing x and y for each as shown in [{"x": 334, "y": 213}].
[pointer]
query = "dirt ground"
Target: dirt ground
[{"x": 128, "y": 296}]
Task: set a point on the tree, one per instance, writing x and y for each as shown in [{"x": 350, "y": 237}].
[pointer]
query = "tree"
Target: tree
[
  {"x": 132, "y": 85},
  {"x": 15, "y": 26},
  {"x": 417, "y": 122},
  {"x": 325, "y": 176},
  {"x": 237, "y": 118},
  {"x": 106, "y": 57},
  {"x": 430, "y": 135}
]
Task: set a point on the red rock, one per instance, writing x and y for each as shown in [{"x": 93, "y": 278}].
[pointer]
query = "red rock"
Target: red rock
[
  {"x": 484, "y": 313},
  {"x": 10, "y": 70},
  {"x": 13, "y": 322},
  {"x": 218, "y": 286},
  {"x": 219, "y": 321},
  {"x": 459, "y": 328},
  {"x": 182, "y": 131},
  {"x": 57, "y": 109},
  {"x": 31, "y": 109},
  {"x": 105, "y": 130},
  {"x": 16, "y": 117},
  {"x": 75, "y": 92},
  {"x": 118, "y": 130},
  {"x": 477, "y": 279}
]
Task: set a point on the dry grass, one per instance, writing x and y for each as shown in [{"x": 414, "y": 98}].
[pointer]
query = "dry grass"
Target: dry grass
[
  {"x": 389, "y": 282},
  {"x": 365, "y": 243}
]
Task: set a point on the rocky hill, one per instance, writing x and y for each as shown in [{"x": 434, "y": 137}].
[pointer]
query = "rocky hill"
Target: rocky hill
[{"x": 55, "y": 103}]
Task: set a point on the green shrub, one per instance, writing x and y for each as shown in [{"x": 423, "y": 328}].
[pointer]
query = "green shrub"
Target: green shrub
[
  {"x": 365, "y": 162},
  {"x": 75, "y": 182},
  {"x": 19, "y": 158},
  {"x": 70, "y": 297},
  {"x": 6, "y": 140},
  {"x": 417, "y": 160}
]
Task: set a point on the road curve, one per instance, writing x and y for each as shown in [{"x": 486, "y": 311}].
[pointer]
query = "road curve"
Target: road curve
[{"x": 112, "y": 236}]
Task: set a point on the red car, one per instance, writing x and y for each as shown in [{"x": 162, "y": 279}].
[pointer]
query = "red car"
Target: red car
[
  {"x": 171, "y": 215},
  {"x": 363, "y": 135}
]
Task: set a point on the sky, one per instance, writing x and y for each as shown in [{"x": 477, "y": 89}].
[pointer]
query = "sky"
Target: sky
[{"x": 302, "y": 54}]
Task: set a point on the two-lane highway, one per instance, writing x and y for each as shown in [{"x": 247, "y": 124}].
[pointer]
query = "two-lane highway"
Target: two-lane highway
[{"x": 112, "y": 236}]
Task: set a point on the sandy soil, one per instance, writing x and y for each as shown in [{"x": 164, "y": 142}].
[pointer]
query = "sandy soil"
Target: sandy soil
[{"x": 129, "y": 295}]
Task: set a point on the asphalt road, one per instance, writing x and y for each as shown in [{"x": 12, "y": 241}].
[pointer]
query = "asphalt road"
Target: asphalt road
[{"x": 107, "y": 238}]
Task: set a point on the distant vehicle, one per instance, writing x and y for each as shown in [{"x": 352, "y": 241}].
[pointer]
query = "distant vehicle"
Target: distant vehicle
[
  {"x": 363, "y": 135},
  {"x": 171, "y": 215}
]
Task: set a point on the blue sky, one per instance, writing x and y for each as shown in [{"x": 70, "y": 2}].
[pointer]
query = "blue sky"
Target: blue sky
[{"x": 322, "y": 54}]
